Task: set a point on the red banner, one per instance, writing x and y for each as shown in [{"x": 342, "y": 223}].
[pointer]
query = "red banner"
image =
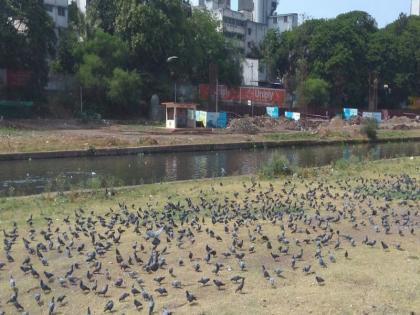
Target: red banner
[
  {"x": 257, "y": 95},
  {"x": 17, "y": 78}
]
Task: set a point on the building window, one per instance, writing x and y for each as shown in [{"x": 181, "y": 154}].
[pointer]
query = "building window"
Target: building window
[
  {"x": 48, "y": 7},
  {"x": 249, "y": 44},
  {"x": 249, "y": 31},
  {"x": 61, "y": 11},
  {"x": 285, "y": 19},
  {"x": 274, "y": 20}
]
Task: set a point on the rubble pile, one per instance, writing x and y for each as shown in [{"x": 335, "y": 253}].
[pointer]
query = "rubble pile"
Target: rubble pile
[
  {"x": 401, "y": 123},
  {"x": 266, "y": 124}
]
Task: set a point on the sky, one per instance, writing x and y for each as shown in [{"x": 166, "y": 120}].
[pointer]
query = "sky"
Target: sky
[{"x": 384, "y": 11}]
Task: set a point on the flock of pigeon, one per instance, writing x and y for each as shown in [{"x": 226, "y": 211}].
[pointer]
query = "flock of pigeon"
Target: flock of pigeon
[{"x": 131, "y": 259}]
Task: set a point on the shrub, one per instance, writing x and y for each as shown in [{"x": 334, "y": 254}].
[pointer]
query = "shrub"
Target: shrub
[
  {"x": 369, "y": 128},
  {"x": 278, "y": 166}
]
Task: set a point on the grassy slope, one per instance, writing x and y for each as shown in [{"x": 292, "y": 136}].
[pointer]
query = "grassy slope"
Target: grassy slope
[
  {"x": 25, "y": 140},
  {"x": 371, "y": 281}
]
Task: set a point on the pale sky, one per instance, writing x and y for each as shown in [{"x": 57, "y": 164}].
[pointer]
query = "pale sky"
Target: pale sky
[{"x": 384, "y": 11}]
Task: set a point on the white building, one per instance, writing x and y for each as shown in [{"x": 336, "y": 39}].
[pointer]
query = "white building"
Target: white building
[
  {"x": 253, "y": 72},
  {"x": 58, "y": 10},
  {"x": 248, "y": 26},
  {"x": 82, "y": 4},
  {"x": 415, "y": 7}
]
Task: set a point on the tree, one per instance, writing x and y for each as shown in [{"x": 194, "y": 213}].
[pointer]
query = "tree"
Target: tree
[
  {"x": 102, "y": 70},
  {"x": 156, "y": 30},
  {"x": 394, "y": 54},
  {"x": 27, "y": 39},
  {"x": 333, "y": 50},
  {"x": 102, "y": 14},
  {"x": 124, "y": 90},
  {"x": 313, "y": 92}
]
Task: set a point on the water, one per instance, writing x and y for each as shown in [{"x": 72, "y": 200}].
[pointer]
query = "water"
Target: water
[{"x": 30, "y": 177}]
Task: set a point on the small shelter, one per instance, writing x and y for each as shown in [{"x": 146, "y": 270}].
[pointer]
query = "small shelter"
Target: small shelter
[{"x": 180, "y": 115}]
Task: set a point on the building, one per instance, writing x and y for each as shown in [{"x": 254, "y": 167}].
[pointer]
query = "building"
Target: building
[
  {"x": 415, "y": 7},
  {"x": 82, "y": 4},
  {"x": 58, "y": 10},
  {"x": 253, "y": 72},
  {"x": 247, "y": 28}
]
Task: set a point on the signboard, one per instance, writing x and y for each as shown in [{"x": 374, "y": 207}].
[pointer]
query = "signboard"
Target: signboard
[
  {"x": 273, "y": 112},
  {"x": 375, "y": 115},
  {"x": 257, "y": 95},
  {"x": 292, "y": 115},
  {"x": 349, "y": 112},
  {"x": 211, "y": 119}
]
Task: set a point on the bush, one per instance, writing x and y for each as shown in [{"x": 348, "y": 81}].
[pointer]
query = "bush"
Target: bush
[
  {"x": 369, "y": 128},
  {"x": 278, "y": 166}
]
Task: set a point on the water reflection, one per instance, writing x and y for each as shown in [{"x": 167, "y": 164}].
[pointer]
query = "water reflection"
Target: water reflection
[{"x": 26, "y": 177}]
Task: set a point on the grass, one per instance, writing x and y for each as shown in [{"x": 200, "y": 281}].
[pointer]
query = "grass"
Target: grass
[
  {"x": 341, "y": 135},
  {"x": 295, "y": 135},
  {"x": 32, "y": 138},
  {"x": 368, "y": 282}
]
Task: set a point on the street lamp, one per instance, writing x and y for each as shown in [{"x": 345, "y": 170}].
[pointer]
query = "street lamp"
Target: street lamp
[{"x": 170, "y": 60}]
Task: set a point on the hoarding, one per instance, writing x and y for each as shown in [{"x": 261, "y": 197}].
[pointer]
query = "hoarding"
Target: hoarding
[{"x": 257, "y": 95}]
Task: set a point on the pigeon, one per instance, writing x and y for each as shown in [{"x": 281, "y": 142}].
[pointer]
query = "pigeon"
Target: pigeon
[
  {"x": 190, "y": 297},
  {"x": 319, "y": 280},
  {"x": 109, "y": 306}
]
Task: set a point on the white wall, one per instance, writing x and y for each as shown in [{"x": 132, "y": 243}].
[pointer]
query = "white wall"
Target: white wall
[
  {"x": 59, "y": 20},
  {"x": 415, "y": 7},
  {"x": 252, "y": 72}
]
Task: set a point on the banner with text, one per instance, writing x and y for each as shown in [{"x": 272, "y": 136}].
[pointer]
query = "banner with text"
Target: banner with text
[{"x": 257, "y": 95}]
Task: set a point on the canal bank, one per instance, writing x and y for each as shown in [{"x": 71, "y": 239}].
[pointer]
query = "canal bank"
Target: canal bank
[
  {"x": 22, "y": 177},
  {"x": 156, "y": 149}
]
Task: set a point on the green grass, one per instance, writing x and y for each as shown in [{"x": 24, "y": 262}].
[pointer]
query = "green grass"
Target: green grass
[
  {"x": 367, "y": 282},
  {"x": 296, "y": 135}
]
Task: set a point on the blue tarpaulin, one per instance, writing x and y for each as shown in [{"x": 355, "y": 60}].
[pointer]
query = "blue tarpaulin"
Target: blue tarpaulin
[
  {"x": 222, "y": 120},
  {"x": 375, "y": 115},
  {"x": 273, "y": 112},
  {"x": 211, "y": 119},
  {"x": 292, "y": 115},
  {"x": 349, "y": 112}
]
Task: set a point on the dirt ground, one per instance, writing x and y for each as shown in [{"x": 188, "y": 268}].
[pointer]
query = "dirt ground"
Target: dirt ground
[
  {"x": 56, "y": 135},
  {"x": 370, "y": 280}
]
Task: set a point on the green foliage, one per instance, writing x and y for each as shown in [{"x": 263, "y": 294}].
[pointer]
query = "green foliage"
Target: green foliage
[
  {"x": 101, "y": 14},
  {"x": 110, "y": 88},
  {"x": 125, "y": 89},
  {"x": 278, "y": 166},
  {"x": 313, "y": 92},
  {"x": 369, "y": 128},
  {"x": 29, "y": 48},
  {"x": 333, "y": 50},
  {"x": 394, "y": 53}
]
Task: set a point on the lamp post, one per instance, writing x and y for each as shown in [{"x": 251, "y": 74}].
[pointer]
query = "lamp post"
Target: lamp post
[{"x": 170, "y": 60}]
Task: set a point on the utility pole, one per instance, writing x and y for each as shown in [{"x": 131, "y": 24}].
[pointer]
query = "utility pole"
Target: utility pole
[{"x": 81, "y": 100}]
